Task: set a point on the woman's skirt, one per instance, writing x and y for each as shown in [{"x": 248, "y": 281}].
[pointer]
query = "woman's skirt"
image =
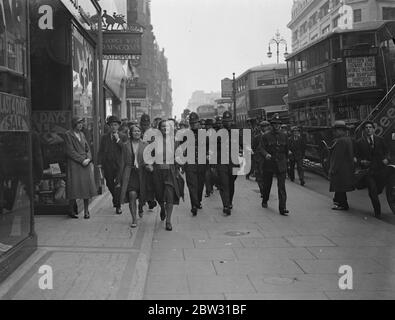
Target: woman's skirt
[
  {"x": 134, "y": 184},
  {"x": 165, "y": 191}
]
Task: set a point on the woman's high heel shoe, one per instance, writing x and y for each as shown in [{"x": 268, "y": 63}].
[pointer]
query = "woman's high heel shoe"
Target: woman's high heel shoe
[
  {"x": 169, "y": 227},
  {"x": 87, "y": 216}
]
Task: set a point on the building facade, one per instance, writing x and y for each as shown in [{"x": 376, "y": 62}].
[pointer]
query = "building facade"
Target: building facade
[
  {"x": 200, "y": 98},
  {"x": 151, "y": 71},
  {"x": 312, "y": 19}
]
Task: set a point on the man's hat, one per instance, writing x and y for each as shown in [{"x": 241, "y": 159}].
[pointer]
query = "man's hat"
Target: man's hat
[
  {"x": 339, "y": 125},
  {"x": 145, "y": 119},
  {"x": 276, "y": 120},
  {"x": 193, "y": 118},
  {"x": 295, "y": 129},
  {"x": 227, "y": 117},
  {"x": 112, "y": 119},
  {"x": 264, "y": 123},
  {"x": 76, "y": 120},
  {"x": 218, "y": 119}
]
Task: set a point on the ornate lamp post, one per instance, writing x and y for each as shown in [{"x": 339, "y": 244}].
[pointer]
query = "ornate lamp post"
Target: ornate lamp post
[{"x": 278, "y": 40}]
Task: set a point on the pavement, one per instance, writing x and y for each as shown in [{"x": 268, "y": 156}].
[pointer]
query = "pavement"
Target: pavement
[{"x": 253, "y": 254}]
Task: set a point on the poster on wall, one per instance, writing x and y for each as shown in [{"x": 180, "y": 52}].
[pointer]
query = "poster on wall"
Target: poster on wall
[
  {"x": 83, "y": 76},
  {"x": 13, "y": 35},
  {"x": 361, "y": 72},
  {"x": 14, "y": 113}
]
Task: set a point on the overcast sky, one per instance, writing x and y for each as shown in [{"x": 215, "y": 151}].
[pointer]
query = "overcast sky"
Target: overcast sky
[{"x": 206, "y": 40}]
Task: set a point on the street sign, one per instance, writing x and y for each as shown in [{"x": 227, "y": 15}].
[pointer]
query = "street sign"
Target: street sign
[{"x": 227, "y": 88}]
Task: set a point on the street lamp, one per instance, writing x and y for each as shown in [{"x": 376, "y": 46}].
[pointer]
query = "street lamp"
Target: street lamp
[{"x": 278, "y": 40}]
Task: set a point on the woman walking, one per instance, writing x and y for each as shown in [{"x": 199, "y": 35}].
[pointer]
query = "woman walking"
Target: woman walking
[
  {"x": 80, "y": 175},
  {"x": 132, "y": 175},
  {"x": 169, "y": 185}
]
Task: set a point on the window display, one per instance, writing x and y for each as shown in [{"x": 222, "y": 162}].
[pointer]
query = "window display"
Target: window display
[{"x": 15, "y": 172}]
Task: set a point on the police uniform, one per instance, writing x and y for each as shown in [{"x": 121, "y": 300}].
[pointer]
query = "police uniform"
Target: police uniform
[
  {"x": 297, "y": 146},
  {"x": 209, "y": 181},
  {"x": 274, "y": 148},
  {"x": 195, "y": 173},
  {"x": 258, "y": 158},
  {"x": 225, "y": 171}
]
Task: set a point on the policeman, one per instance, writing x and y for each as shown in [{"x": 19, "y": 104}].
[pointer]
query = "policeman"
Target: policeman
[
  {"x": 225, "y": 171},
  {"x": 251, "y": 124},
  {"x": 297, "y": 148},
  {"x": 195, "y": 172},
  {"x": 145, "y": 125},
  {"x": 218, "y": 123},
  {"x": 274, "y": 149},
  {"x": 259, "y": 160}
]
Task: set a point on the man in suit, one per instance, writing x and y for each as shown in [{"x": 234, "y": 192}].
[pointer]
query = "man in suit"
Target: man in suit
[
  {"x": 259, "y": 160},
  {"x": 372, "y": 154},
  {"x": 109, "y": 159},
  {"x": 195, "y": 173},
  {"x": 274, "y": 149},
  {"x": 297, "y": 148},
  {"x": 341, "y": 166}
]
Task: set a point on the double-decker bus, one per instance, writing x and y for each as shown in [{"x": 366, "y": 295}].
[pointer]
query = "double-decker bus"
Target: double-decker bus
[
  {"x": 207, "y": 111},
  {"x": 260, "y": 91},
  {"x": 344, "y": 75}
]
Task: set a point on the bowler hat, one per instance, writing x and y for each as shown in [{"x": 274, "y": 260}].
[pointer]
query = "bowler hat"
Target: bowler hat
[
  {"x": 76, "y": 120},
  {"x": 264, "y": 123},
  {"x": 113, "y": 119},
  {"x": 339, "y": 125}
]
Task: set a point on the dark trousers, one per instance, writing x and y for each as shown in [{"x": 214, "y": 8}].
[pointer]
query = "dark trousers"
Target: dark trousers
[
  {"x": 259, "y": 176},
  {"x": 374, "y": 191},
  {"x": 195, "y": 175},
  {"x": 267, "y": 186},
  {"x": 110, "y": 174},
  {"x": 208, "y": 181},
  {"x": 226, "y": 184},
  {"x": 298, "y": 163},
  {"x": 341, "y": 199}
]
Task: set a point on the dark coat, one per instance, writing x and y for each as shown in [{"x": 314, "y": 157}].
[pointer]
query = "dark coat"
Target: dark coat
[
  {"x": 126, "y": 166},
  {"x": 375, "y": 156},
  {"x": 110, "y": 153},
  {"x": 80, "y": 180},
  {"x": 297, "y": 147},
  {"x": 275, "y": 144},
  {"x": 341, "y": 169}
]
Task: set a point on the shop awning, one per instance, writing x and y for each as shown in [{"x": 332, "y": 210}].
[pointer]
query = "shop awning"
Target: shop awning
[{"x": 115, "y": 71}]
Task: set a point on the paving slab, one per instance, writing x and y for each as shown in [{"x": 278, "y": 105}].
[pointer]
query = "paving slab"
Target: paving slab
[
  {"x": 220, "y": 284},
  {"x": 310, "y": 241},
  {"x": 260, "y": 267},
  {"x": 163, "y": 267}
]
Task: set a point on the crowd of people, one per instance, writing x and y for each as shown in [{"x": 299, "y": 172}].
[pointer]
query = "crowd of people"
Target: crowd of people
[{"x": 276, "y": 151}]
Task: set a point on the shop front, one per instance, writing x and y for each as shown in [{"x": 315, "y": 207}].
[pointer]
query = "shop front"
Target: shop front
[
  {"x": 66, "y": 77},
  {"x": 17, "y": 236}
]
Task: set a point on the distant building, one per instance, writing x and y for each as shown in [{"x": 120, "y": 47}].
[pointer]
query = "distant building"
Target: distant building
[
  {"x": 200, "y": 98},
  {"x": 312, "y": 19}
]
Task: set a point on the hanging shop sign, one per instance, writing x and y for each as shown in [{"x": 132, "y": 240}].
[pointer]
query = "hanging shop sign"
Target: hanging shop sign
[
  {"x": 14, "y": 113},
  {"x": 136, "y": 93},
  {"x": 361, "y": 72},
  {"x": 121, "y": 45}
]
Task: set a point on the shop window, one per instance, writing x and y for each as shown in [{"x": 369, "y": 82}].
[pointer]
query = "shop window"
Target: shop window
[
  {"x": 388, "y": 13},
  {"x": 15, "y": 174}
]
